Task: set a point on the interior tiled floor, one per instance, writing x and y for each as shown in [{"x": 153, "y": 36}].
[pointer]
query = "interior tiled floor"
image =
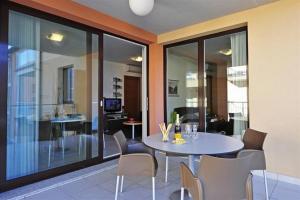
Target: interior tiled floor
[{"x": 98, "y": 182}]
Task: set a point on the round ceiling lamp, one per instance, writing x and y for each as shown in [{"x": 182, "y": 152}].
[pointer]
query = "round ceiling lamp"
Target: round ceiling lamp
[{"x": 141, "y": 7}]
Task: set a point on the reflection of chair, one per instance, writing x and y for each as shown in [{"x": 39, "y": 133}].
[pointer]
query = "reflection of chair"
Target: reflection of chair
[
  {"x": 58, "y": 129},
  {"x": 219, "y": 178},
  {"x": 188, "y": 114}
]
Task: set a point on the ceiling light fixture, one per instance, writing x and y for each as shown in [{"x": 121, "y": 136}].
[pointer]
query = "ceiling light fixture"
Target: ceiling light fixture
[
  {"x": 137, "y": 58},
  {"x": 141, "y": 7},
  {"x": 56, "y": 37},
  {"x": 226, "y": 52}
]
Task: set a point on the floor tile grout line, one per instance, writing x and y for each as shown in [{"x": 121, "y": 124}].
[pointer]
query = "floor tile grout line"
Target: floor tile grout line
[
  {"x": 56, "y": 185},
  {"x": 276, "y": 183}
]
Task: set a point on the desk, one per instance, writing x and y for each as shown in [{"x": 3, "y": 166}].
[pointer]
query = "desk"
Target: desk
[{"x": 132, "y": 123}]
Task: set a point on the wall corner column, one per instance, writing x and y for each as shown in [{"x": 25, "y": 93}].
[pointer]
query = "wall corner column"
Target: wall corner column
[{"x": 156, "y": 87}]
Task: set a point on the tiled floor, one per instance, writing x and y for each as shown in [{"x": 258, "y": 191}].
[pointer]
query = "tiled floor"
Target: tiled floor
[{"x": 98, "y": 183}]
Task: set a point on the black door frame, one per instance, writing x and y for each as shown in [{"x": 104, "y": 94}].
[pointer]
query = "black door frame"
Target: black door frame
[
  {"x": 5, "y": 6},
  {"x": 201, "y": 69}
]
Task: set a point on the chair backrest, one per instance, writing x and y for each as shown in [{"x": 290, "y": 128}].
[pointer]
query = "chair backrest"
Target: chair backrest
[
  {"x": 258, "y": 158},
  {"x": 137, "y": 164},
  {"x": 254, "y": 139},
  {"x": 121, "y": 141},
  {"x": 190, "y": 182},
  {"x": 224, "y": 179}
]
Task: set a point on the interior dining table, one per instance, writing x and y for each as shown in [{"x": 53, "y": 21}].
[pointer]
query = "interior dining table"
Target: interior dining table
[{"x": 196, "y": 144}]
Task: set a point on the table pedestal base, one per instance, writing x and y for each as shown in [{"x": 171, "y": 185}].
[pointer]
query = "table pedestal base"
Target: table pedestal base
[{"x": 176, "y": 195}]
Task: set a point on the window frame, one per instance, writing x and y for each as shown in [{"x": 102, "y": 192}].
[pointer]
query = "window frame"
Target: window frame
[
  {"x": 5, "y": 7},
  {"x": 201, "y": 69}
]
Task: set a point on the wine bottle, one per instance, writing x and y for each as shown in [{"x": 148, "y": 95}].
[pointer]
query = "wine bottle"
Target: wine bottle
[{"x": 177, "y": 125}]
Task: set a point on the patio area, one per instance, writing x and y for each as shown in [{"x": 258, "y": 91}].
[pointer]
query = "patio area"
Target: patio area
[{"x": 98, "y": 182}]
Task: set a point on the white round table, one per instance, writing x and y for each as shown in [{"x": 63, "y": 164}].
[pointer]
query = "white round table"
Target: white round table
[{"x": 203, "y": 144}]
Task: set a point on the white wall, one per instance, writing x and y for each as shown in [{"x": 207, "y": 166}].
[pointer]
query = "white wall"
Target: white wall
[
  {"x": 111, "y": 70},
  {"x": 49, "y": 92},
  {"x": 49, "y": 78},
  {"x": 178, "y": 66}
]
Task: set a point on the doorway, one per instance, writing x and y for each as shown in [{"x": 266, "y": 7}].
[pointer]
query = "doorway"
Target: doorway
[
  {"x": 132, "y": 96},
  {"x": 124, "y": 91}
]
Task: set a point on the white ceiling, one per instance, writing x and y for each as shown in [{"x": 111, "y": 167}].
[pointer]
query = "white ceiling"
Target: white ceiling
[
  {"x": 169, "y": 15},
  {"x": 212, "y": 48},
  {"x": 119, "y": 50},
  {"x": 74, "y": 44}
]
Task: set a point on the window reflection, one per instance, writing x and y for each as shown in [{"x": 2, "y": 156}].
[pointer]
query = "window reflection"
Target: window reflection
[{"x": 50, "y": 92}]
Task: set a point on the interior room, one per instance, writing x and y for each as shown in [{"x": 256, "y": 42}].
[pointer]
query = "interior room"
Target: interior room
[
  {"x": 49, "y": 86},
  {"x": 122, "y": 84},
  {"x": 225, "y": 96}
]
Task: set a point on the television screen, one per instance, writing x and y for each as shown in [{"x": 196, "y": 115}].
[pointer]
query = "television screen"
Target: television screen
[{"x": 112, "y": 105}]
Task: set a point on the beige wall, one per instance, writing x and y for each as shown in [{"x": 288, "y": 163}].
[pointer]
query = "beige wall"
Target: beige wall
[{"x": 274, "y": 75}]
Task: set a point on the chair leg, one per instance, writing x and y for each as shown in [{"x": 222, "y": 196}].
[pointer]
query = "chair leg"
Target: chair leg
[
  {"x": 122, "y": 181},
  {"x": 79, "y": 145},
  {"x": 153, "y": 188},
  {"x": 49, "y": 156},
  {"x": 117, "y": 188},
  {"x": 63, "y": 147},
  {"x": 266, "y": 184},
  {"x": 167, "y": 168},
  {"x": 104, "y": 146},
  {"x": 182, "y": 194}
]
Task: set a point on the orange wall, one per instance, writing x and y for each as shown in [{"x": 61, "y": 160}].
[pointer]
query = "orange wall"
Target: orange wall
[
  {"x": 156, "y": 90},
  {"x": 79, "y": 13}
]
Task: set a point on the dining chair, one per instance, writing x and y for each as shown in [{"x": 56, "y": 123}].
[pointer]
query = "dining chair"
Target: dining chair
[
  {"x": 136, "y": 164},
  {"x": 254, "y": 140},
  {"x": 219, "y": 179},
  {"x": 190, "y": 182},
  {"x": 258, "y": 163},
  {"x": 127, "y": 149}
]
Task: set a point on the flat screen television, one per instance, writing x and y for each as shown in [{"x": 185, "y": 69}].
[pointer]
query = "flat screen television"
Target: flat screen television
[{"x": 112, "y": 105}]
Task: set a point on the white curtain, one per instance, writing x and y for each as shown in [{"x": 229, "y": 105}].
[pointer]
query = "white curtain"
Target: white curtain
[
  {"x": 239, "y": 49},
  {"x": 237, "y": 83},
  {"x": 23, "y": 95}
]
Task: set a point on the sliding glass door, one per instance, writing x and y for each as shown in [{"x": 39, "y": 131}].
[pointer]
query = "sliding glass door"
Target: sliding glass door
[
  {"x": 207, "y": 82},
  {"x": 182, "y": 83},
  {"x": 226, "y": 83},
  {"x": 53, "y": 98}
]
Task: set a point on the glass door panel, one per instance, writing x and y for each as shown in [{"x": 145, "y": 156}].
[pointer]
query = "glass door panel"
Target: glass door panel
[
  {"x": 182, "y": 84},
  {"x": 122, "y": 91},
  {"x": 226, "y": 84},
  {"x": 52, "y": 95}
]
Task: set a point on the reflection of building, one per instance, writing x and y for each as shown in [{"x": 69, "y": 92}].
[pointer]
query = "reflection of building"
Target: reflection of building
[{"x": 237, "y": 89}]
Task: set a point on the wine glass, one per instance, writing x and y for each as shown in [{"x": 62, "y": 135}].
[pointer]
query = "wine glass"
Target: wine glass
[{"x": 188, "y": 129}]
